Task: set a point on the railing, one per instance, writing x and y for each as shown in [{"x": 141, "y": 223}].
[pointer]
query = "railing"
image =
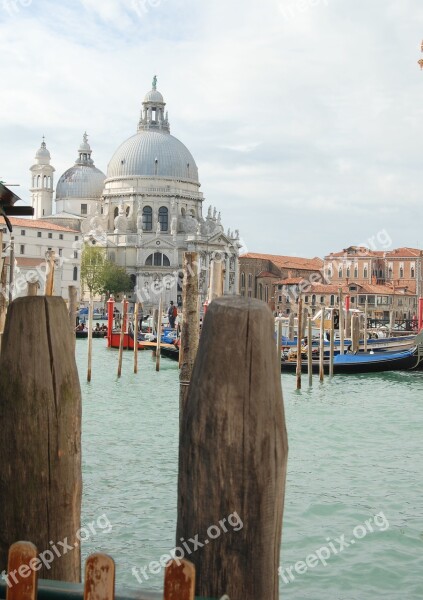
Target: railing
[{"x": 20, "y": 582}]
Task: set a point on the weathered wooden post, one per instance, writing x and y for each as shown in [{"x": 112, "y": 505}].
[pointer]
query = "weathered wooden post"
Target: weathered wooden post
[
  {"x": 322, "y": 344},
  {"x": 291, "y": 326},
  {"x": 11, "y": 268},
  {"x": 122, "y": 335},
  {"x": 279, "y": 340},
  {"x": 391, "y": 321},
  {"x": 190, "y": 324},
  {"x": 341, "y": 323},
  {"x": 299, "y": 328},
  {"x": 309, "y": 351},
  {"x": 159, "y": 334},
  {"x": 50, "y": 256},
  {"x": 366, "y": 313},
  {"x": 355, "y": 333},
  {"x": 332, "y": 343},
  {"x": 90, "y": 336},
  {"x": 233, "y": 454},
  {"x": 32, "y": 288},
  {"x": 216, "y": 280},
  {"x": 40, "y": 442},
  {"x": 136, "y": 337}
]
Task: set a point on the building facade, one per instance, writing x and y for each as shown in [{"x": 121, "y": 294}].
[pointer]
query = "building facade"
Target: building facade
[
  {"x": 147, "y": 210},
  {"x": 259, "y": 273},
  {"x": 32, "y": 239}
]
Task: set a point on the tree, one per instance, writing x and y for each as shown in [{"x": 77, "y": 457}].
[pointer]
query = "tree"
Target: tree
[
  {"x": 93, "y": 262},
  {"x": 115, "y": 280}
]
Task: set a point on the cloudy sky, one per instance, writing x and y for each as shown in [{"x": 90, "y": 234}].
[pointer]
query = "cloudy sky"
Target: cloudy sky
[{"x": 305, "y": 117}]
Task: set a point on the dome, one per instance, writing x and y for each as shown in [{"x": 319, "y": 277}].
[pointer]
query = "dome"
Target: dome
[
  {"x": 153, "y": 153},
  {"x": 80, "y": 181},
  {"x": 154, "y": 96},
  {"x": 42, "y": 156}
]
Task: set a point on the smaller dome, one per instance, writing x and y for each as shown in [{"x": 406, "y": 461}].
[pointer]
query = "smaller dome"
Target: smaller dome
[
  {"x": 42, "y": 155},
  {"x": 154, "y": 96},
  {"x": 80, "y": 181}
]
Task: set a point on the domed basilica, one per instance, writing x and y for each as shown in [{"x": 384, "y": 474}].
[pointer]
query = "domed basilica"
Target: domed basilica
[{"x": 146, "y": 211}]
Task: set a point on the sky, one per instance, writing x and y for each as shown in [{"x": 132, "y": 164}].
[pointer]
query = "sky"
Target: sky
[{"x": 305, "y": 117}]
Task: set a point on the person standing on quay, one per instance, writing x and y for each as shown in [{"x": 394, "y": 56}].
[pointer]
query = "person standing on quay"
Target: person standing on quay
[{"x": 172, "y": 313}]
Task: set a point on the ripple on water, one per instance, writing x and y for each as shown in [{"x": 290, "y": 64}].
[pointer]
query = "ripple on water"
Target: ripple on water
[{"x": 354, "y": 452}]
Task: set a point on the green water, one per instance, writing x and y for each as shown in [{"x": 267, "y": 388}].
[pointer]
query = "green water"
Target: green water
[{"x": 355, "y": 451}]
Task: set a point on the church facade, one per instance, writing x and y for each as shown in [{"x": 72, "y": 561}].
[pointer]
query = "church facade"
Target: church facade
[{"x": 147, "y": 210}]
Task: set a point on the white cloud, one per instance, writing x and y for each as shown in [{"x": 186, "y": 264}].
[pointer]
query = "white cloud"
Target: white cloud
[{"x": 302, "y": 126}]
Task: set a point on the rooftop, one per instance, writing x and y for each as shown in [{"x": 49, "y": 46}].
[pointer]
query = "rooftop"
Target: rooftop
[
  {"x": 288, "y": 262},
  {"x": 36, "y": 224}
]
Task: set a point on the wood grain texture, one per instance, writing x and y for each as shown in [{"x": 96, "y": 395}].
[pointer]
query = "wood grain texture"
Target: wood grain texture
[
  {"x": 233, "y": 453},
  {"x": 179, "y": 583},
  {"x": 190, "y": 324},
  {"x": 21, "y": 572},
  {"x": 99, "y": 581},
  {"x": 40, "y": 442}
]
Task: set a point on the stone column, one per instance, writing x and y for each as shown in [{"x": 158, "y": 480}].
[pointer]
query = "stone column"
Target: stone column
[
  {"x": 227, "y": 267},
  {"x": 236, "y": 285}
]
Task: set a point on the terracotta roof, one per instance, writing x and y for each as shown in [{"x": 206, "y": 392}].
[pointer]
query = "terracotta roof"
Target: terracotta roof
[
  {"x": 290, "y": 281},
  {"x": 35, "y": 224},
  {"x": 293, "y": 262},
  {"x": 404, "y": 252},
  {"x": 359, "y": 251},
  {"x": 327, "y": 288},
  {"x": 266, "y": 274},
  {"x": 26, "y": 262}
]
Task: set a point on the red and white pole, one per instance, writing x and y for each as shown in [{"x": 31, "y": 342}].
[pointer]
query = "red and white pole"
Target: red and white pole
[{"x": 110, "y": 314}]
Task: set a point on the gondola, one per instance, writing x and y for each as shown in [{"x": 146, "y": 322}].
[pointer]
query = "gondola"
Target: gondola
[{"x": 376, "y": 362}]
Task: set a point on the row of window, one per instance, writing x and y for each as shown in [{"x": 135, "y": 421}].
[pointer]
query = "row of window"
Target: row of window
[
  {"x": 377, "y": 272},
  {"x": 43, "y": 181},
  {"x": 40, "y": 234}
]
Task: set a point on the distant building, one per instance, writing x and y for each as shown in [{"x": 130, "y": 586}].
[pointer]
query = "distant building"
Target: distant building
[
  {"x": 259, "y": 272},
  {"x": 146, "y": 211},
  {"x": 32, "y": 239}
]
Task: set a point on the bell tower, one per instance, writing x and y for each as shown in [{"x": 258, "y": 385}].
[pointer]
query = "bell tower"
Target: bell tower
[{"x": 42, "y": 183}]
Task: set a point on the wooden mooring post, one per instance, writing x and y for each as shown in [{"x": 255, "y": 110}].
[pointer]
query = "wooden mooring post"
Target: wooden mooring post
[
  {"x": 122, "y": 335},
  {"x": 322, "y": 345},
  {"x": 233, "y": 454},
  {"x": 159, "y": 334},
  {"x": 136, "y": 337},
  {"x": 40, "y": 442},
  {"x": 190, "y": 324},
  {"x": 299, "y": 329},
  {"x": 90, "y": 336},
  {"x": 332, "y": 343},
  {"x": 341, "y": 323},
  {"x": 310, "y": 351}
]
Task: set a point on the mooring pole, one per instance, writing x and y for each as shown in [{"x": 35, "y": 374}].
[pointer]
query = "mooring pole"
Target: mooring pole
[{"x": 233, "y": 427}]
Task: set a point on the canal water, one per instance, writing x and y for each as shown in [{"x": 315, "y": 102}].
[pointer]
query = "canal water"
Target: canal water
[{"x": 353, "y": 519}]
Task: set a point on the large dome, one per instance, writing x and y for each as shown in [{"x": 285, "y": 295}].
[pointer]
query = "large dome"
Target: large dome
[
  {"x": 153, "y": 153},
  {"x": 80, "y": 181}
]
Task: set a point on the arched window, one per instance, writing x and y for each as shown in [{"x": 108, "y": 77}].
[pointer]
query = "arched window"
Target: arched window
[
  {"x": 313, "y": 299},
  {"x": 340, "y": 272},
  {"x": 158, "y": 260},
  {"x": 116, "y": 212},
  {"x": 266, "y": 293},
  {"x": 260, "y": 291},
  {"x": 45, "y": 181},
  {"x": 127, "y": 210},
  {"x": 348, "y": 271},
  {"x": 250, "y": 280},
  {"x": 38, "y": 180},
  {"x": 243, "y": 280},
  {"x": 332, "y": 300},
  {"x": 355, "y": 270},
  {"x": 75, "y": 273},
  {"x": 147, "y": 218},
  {"x": 365, "y": 271},
  {"x": 163, "y": 218},
  {"x": 183, "y": 212},
  {"x": 401, "y": 271},
  {"x": 412, "y": 271}
]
